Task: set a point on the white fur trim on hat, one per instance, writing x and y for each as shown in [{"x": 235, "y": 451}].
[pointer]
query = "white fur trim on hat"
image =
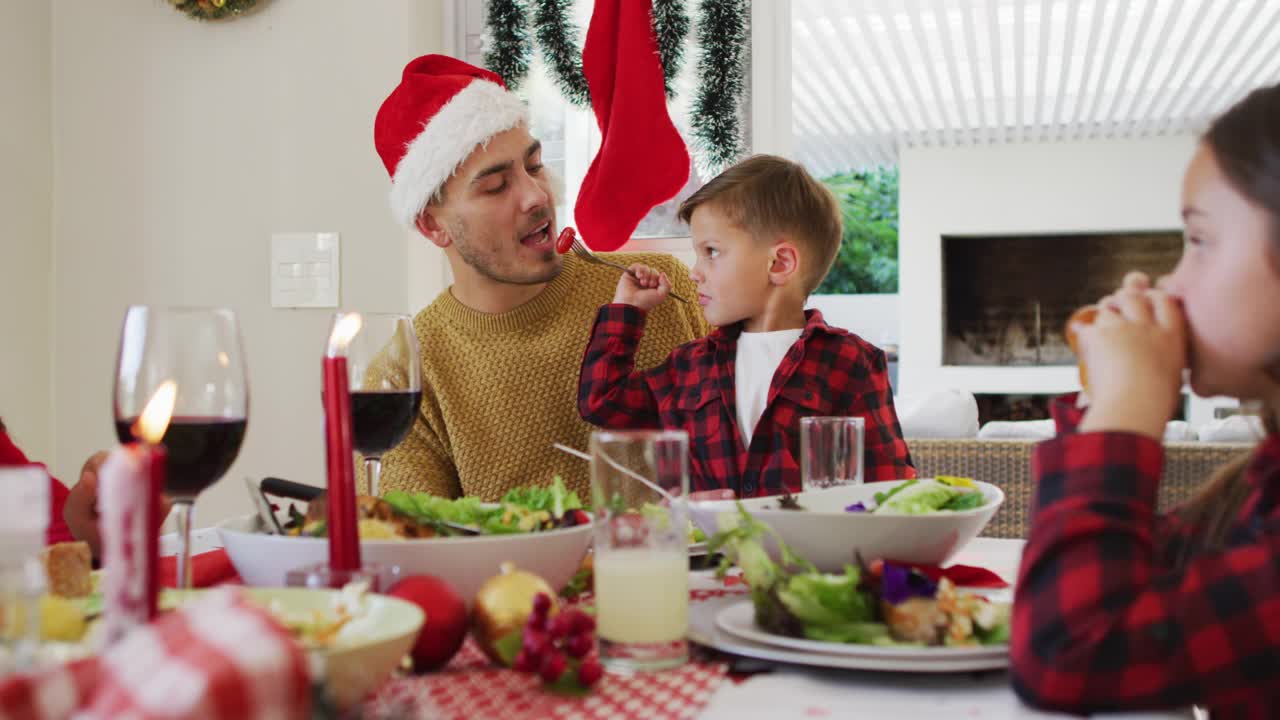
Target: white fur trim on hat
[{"x": 479, "y": 111}]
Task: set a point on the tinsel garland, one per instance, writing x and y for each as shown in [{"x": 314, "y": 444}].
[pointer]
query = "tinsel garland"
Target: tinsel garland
[
  {"x": 723, "y": 41},
  {"x": 670, "y": 26},
  {"x": 561, "y": 49},
  {"x": 508, "y": 46},
  {"x": 213, "y": 9},
  {"x": 722, "y": 36}
]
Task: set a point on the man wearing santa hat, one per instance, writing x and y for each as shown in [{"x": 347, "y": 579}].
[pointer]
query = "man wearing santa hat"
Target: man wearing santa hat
[{"x": 501, "y": 346}]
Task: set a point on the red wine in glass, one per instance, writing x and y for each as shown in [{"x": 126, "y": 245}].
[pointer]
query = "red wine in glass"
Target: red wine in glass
[
  {"x": 384, "y": 375},
  {"x": 381, "y": 418},
  {"x": 200, "y": 450},
  {"x": 199, "y": 351}
]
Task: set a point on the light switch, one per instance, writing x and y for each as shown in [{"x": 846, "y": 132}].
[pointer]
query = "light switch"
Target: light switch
[{"x": 304, "y": 270}]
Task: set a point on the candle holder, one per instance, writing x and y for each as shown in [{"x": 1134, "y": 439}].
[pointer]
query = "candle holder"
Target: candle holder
[{"x": 324, "y": 576}]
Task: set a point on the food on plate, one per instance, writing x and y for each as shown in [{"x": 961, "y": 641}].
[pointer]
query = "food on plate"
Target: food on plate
[
  {"x": 61, "y": 619},
  {"x": 921, "y": 497},
  {"x": 67, "y": 566},
  {"x": 502, "y": 607},
  {"x": 376, "y": 519},
  {"x": 1084, "y": 316},
  {"x": 654, "y": 512},
  {"x": 881, "y": 604},
  {"x": 316, "y": 629},
  {"x": 445, "y": 627},
  {"x": 582, "y": 580},
  {"x": 401, "y": 515}
]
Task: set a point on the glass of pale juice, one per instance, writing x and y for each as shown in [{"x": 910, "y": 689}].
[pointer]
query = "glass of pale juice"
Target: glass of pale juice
[{"x": 639, "y": 480}]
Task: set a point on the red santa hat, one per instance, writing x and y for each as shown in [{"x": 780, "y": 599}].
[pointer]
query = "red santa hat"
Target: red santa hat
[{"x": 441, "y": 110}]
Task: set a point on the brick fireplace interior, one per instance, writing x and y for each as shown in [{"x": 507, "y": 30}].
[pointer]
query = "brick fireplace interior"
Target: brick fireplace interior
[{"x": 1007, "y": 298}]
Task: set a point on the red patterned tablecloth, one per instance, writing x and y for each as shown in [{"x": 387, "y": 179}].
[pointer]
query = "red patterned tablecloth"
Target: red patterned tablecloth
[{"x": 472, "y": 687}]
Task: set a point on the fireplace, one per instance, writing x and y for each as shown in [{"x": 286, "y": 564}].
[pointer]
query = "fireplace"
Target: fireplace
[{"x": 1006, "y": 298}]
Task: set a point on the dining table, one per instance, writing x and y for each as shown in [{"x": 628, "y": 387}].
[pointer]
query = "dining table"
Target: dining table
[{"x": 727, "y": 677}]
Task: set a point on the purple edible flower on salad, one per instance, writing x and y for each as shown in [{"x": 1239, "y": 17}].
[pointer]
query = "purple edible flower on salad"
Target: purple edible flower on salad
[
  {"x": 899, "y": 583},
  {"x": 856, "y": 507}
]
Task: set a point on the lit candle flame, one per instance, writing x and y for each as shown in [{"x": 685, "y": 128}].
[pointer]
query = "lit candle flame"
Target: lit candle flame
[
  {"x": 155, "y": 417},
  {"x": 343, "y": 332}
]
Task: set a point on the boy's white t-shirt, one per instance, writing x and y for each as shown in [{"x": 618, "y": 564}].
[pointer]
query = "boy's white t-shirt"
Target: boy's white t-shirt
[{"x": 759, "y": 355}]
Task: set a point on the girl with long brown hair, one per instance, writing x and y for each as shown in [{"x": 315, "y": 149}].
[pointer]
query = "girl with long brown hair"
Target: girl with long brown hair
[{"x": 1119, "y": 607}]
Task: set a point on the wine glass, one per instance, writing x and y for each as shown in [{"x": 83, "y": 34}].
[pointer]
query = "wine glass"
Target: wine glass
[
  {"x": 199, "y": 349},
  {"x": 384, "y": 373}
]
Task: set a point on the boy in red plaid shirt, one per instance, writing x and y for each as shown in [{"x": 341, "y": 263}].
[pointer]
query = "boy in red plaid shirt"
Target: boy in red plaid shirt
[
  {"x": 765, "y": 234},
  {"x": 1119, "y": 607}
]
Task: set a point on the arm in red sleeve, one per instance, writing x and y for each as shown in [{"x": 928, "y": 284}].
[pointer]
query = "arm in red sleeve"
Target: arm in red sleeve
[
  {"x": 886, "y": 456},
  {"x": 57, "y": 531},
  {"x": 610, "y": 393},
  {"x": 1100, "y": 622}
]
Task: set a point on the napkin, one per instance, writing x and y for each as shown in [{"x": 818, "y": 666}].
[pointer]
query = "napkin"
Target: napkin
[
  {"x": 219, "y": 657},
  {"x": 207, "y": 569},
  {"x": 963, "y": 575}
]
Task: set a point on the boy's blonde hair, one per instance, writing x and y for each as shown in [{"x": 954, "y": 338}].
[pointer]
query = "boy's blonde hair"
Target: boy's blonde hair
[{"x": 767, "y": 195}]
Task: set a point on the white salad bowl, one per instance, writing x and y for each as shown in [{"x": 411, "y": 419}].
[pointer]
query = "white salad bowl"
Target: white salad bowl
[
  {"x": 262, "y": 560},
  {"x": 828, "y": 536},
  {"x": 362, "y": 655}
]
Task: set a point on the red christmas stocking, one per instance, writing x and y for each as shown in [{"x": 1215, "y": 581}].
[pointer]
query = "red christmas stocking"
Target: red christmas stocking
[{"x": 642, "y": 160}]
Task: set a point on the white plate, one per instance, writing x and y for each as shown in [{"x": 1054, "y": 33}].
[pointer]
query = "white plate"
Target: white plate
[
  {"x": 704, "y": 631},
  {"x": 740, "y": 620}
]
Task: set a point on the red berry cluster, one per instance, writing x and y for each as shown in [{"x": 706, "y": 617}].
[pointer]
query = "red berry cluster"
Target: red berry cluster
[{"x": 552, "y": 645}]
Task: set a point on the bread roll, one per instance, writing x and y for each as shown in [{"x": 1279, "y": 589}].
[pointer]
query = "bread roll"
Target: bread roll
[{"x": 1084, "y": 316}]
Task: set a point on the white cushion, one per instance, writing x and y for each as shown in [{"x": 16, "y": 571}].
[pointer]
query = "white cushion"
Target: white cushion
[
  {"x": 1174, "y": 431},
  {"x": 1233, "y": 429},
  {"x": 1179, "y": 431},
  {"x": 1017, "y": 430},
  {"x": 938, "y": 414}
]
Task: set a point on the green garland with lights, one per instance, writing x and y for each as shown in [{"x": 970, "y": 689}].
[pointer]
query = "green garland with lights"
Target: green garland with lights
[
  {"x": 723, "y": 37},
  {"x": 213, "y": 9}
]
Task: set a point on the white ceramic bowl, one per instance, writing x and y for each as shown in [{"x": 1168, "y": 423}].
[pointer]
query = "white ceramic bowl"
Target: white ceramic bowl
[
  {"x": 464, "y": 562},
  {"x": 828, "y": 536},
  {"x": 363, "y": 653}
]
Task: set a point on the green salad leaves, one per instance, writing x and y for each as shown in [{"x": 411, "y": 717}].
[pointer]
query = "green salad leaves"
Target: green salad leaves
[{"x": 521, "y": 510}]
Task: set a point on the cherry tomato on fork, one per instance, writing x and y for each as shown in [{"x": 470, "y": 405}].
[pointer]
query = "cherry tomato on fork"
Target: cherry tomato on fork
[{"x": 565, "y": 241}]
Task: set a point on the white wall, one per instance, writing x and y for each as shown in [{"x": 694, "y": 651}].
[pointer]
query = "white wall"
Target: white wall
[
  {"x": 25, "y": 207},
  {"x": 179, "y": 148},
  {"x": 1024, "y": 188}
]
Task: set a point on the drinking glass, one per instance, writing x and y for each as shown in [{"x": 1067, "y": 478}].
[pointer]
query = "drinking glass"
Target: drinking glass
[
  {"x": 830, "y": 452},
  {"x": 199, "y": 349},
  {"x": 385, "y": 376},
  {"x": 639, "y": 484},
  {"x": 24, "y": 515}
]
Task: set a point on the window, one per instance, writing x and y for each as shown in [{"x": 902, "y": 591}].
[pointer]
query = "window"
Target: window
[{"x": 570, "y": 137}]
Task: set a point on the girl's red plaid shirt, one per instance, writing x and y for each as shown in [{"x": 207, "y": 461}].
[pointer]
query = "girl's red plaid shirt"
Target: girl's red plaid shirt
[
  {"x": 1104, "y": 618},
  {"x": 828, "y": 371}
]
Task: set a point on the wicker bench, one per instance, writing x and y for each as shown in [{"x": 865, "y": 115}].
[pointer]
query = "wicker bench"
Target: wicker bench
[{"x": 1007, "y": 463}]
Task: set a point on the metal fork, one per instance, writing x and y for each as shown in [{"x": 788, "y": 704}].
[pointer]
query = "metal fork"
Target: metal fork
[{"x": 585, "y": 253}]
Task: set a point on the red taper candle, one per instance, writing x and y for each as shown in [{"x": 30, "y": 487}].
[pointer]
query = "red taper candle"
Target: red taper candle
[
  {"x": 130, "y": 484},
  {"x": 344, "y": 540}
]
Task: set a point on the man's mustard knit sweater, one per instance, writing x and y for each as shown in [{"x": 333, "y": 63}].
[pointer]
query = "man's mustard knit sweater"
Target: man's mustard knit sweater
[{"x": 498, "y": 390}]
